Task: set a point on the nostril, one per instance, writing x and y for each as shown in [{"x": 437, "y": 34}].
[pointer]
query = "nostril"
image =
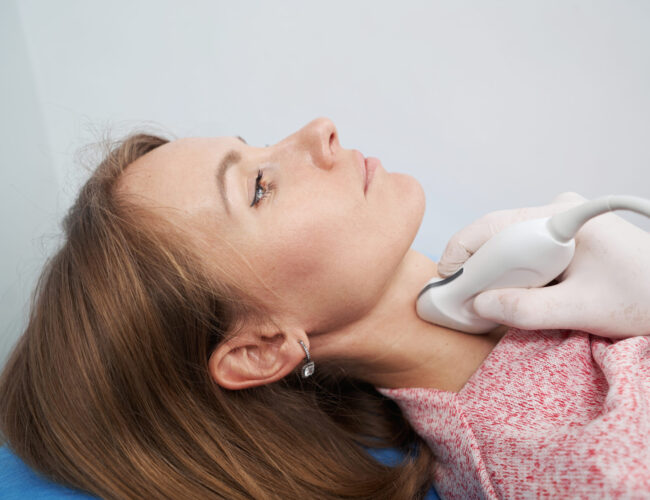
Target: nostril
[{"x": 332, "y": 140}]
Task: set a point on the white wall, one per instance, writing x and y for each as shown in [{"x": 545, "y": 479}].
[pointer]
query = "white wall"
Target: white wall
[
  {"x": 489, "y": 104},
  {"x": 28, "y": 184}
]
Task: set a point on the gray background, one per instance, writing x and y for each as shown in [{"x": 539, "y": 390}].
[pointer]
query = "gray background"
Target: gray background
[{"x": 489, "y": 105}]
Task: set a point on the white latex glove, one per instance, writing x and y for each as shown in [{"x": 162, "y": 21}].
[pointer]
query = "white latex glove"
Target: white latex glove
[{"x": 605, "y": 290}]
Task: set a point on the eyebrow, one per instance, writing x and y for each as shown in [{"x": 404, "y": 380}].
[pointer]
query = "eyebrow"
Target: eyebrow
[{"x": 228, "y": 161}]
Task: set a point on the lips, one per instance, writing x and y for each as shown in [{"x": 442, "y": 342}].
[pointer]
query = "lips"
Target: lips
[
  {"x": 371, "y": 165},
  {"x": 368, "y": 167}
]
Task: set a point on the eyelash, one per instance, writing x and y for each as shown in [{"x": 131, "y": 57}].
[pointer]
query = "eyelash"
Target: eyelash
[{"x": 267, "y": 189}]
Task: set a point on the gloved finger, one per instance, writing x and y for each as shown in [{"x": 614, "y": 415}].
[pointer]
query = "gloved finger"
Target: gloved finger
[
  {"x": 463, "y": 244},
  {"x": 531, "y": 308}
]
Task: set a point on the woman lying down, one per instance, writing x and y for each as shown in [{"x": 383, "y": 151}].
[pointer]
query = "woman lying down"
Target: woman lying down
[{"x": 168, "y": 347}]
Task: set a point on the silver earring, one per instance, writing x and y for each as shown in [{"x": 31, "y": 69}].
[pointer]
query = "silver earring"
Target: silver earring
[{"x": 308, "y": 367}]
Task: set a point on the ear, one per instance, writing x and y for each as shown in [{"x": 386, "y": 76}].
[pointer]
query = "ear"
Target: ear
[{"x": 252, "y": 358}]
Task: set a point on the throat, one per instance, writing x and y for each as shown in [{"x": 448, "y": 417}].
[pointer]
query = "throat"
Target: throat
[
  {"x": 392, "y": 347},
  {"x": 431, "y": 357}
]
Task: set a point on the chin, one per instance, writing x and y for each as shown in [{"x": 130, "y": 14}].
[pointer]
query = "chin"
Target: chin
[
  {"x": 407, "y": 208},
  {"x": 417, "y": 205},
  {"x": 414, "y": 193}
]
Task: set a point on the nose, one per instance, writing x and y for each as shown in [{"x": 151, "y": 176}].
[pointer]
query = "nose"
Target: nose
[{"x": 320, "y": 138}]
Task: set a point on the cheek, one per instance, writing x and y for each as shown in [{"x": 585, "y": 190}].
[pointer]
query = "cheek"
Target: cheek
[
  {"x": 298, "y": 253},
  {"x": 325, "y": 269}
]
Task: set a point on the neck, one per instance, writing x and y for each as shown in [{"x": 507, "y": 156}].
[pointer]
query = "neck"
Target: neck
[{"x": 392, "y": 347}]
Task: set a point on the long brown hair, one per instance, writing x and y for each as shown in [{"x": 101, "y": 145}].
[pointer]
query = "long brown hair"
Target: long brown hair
[{"x": 108, "y": 389}]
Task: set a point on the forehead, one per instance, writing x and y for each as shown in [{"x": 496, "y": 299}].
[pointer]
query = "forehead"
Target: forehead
[{"x": 179, "y": 174}]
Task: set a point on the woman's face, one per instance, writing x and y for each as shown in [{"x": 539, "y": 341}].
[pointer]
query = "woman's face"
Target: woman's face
[{"x": 305, "y": 239}]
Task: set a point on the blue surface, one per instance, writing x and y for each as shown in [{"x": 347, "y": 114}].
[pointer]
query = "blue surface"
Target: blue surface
[
  {"x": 18, "y": 481},
  {"x": 392, "y": 457}
]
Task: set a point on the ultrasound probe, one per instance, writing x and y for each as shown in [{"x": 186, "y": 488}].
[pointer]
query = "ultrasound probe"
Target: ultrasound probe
[{"x": 528, "y": 254}]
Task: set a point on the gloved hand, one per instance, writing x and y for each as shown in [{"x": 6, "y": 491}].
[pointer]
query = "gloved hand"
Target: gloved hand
[{"x": 605, "y": 290}]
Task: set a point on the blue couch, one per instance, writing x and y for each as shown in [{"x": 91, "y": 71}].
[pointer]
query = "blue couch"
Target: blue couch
[{"x": 18, "y": 481}]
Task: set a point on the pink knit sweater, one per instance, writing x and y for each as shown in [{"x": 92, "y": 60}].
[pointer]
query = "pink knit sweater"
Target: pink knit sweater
[{"x": 549, "y": 414}]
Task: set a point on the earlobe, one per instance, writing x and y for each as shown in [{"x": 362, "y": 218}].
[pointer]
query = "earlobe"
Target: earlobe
[{"x": 252, "y": 360}]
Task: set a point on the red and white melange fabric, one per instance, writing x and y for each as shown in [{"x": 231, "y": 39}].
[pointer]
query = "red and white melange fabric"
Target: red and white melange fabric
[{"x": 549, "y": 413}]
